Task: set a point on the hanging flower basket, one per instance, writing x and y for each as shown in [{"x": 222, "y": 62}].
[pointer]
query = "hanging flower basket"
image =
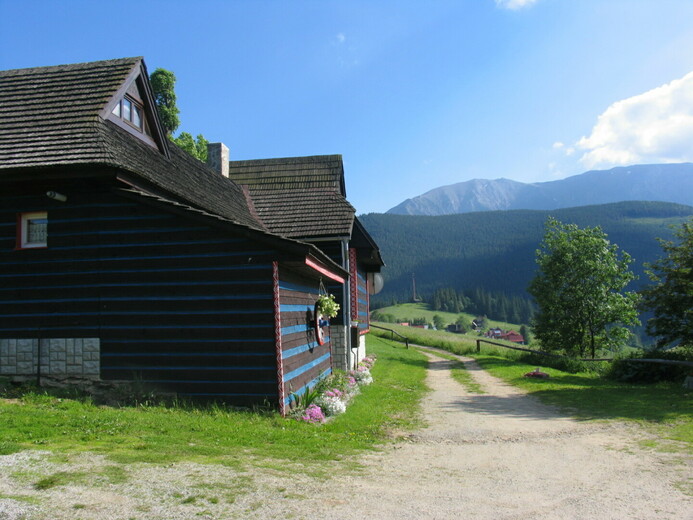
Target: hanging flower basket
[{"x": 325, "y": 308}]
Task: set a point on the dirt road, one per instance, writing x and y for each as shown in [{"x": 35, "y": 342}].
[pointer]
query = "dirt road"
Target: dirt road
[{"x": 498, "y": 455}]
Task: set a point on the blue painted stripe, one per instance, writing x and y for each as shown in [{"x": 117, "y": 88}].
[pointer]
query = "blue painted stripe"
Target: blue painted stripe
[
  {"x": 195, "y": 381},
  {"x": 361, "y": 277},
  {"x": 303, "y": 348},
  {"x": 143, "y": 244},
  {"x": 187, "y": 354},
  {"x": 295, "y": 328},
  {"x": 298, "y": 288},
  {"x": 123, "y": 258},
  {"x": 362, "y": 302},
  {"x": 123, "y": 271},
  {"x": 68, "y": 205},
  {"x": 177, "y": 340},
  {"x": 140, "y": 284},
  {"x": 145, "y": 298},
  {"x": 295, "y": 308},
  {"x": 305, "y": 368},
  {"x": 204, "y": 394},
  {"x": 136, "y": 327},
  {"x": 118, "y": 218},
  {"x": 150, "y": 368},
  {"x": 308, "y": 385},
  {"x": 100, "y": 232},
  {"x": 141, "y": 313}
]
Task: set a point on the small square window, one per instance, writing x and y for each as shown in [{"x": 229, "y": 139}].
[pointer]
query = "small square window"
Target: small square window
[{"x": 33, "y": 230}]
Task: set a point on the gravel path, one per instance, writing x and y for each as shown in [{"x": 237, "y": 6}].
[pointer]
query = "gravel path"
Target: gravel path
[{"x": 498, "y": 455}]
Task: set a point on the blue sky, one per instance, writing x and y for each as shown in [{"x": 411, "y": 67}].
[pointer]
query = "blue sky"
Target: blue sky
[{"x": 414, "y": 95}]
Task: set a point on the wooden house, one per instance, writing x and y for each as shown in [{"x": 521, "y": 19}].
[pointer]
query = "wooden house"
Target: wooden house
[
  {"x": 123, "y": 258},
  {"x": 305, "y": 198}
]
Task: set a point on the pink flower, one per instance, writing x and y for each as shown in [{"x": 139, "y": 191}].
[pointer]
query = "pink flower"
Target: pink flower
[{"x": 313, "y": 414}]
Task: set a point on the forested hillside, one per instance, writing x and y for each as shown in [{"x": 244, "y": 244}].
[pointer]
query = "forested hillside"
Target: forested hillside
[{"x": 495, "y": 250}]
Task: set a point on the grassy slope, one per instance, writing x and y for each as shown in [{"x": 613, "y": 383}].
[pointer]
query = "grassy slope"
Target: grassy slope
[
  {"x": 158, "y": 434},
  {"x": 420, "y": 310}
]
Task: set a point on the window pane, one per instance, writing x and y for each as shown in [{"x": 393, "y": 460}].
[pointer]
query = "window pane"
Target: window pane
[
  {"x": 36, "y": 231},
  {"x": 116, "y": 110},
  {"x": 127, "y": 109},
  {"x": 136, "y": 116}
]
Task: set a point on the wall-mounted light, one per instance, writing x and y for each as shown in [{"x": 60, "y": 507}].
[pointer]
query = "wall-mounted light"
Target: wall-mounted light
[{"x": 56, "y": 196}]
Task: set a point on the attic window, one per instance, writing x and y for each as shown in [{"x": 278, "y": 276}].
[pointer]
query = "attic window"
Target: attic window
[{"x": 129, "y": 111}]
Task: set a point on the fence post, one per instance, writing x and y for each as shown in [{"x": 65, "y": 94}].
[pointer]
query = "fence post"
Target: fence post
[{"x": 478, "y": 346}]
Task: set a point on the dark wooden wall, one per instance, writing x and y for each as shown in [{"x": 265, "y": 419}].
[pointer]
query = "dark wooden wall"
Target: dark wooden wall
[
  {"x": 177, "y": 303},
  {"x": 304, "y": 361}
]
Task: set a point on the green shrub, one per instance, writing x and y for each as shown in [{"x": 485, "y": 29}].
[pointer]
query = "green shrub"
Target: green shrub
[
  {"x": 631, "y": 371},
  {"x": 572, "y": 366}
]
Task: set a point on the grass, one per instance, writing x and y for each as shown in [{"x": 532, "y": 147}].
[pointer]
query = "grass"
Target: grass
[
  {"x": 159, "y": 434},
  {"x": 411, "y": 311},
  {"x": 666, "y": 408}
]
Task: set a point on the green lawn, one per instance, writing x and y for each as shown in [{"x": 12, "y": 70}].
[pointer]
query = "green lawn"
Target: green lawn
[
  {"x": 665, "y": 407},
  {"x": 162, "y": 434},
  {"x": 421, "y": 310}
]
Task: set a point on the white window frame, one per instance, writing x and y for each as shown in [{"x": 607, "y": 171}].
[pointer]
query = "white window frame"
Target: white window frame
[{"x": 23, "y": 231}]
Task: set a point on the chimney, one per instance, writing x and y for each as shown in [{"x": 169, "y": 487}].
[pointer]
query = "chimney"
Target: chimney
[{"x": 218, "y": 158}]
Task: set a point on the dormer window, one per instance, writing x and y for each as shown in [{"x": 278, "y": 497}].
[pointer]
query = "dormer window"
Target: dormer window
[{"x": 129, "y": 111}]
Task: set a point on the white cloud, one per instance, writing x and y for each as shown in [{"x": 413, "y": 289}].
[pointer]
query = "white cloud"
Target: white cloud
[
  {"x": 514, "y": 4},
  {"x": 341, "y": 37},
  {"x": 654, "y": 127}
]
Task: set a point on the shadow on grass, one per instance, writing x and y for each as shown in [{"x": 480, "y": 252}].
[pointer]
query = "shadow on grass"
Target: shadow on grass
[{"x": 590, "y": 397}]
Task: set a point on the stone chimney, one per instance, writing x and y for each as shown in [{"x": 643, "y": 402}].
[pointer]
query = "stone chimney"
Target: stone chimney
[{"x": 218, "y": 158}]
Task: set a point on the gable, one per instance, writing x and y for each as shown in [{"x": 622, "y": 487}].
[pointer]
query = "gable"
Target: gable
[{"x": 132, "y": 107}]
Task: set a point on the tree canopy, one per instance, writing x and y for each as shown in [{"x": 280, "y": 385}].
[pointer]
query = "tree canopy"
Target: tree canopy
[
  {"x": 163, "y": 86},
  {"x": 670, "y": 298},
  {"x": 578, "y": 289},
  {"x": 195, "y": 147}
]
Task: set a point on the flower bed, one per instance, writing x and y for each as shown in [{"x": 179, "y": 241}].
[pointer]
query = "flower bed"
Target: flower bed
[{"x": 331, "y": 396}]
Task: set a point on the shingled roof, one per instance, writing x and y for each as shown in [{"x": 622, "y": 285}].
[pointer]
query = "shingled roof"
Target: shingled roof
[
  {"x": 51, "y": 117},
  {"x": 48, "y": 115},
  {"x": 298, "y": 197}
]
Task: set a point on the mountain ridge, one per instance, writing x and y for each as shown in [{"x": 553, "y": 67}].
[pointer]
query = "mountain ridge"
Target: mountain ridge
[{"x": 643, "y": 182}]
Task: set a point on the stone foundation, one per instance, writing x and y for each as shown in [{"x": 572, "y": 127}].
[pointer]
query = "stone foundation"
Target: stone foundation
[
  {"x": 60, "y": 357},
  {"x": 340, "y": 348}
]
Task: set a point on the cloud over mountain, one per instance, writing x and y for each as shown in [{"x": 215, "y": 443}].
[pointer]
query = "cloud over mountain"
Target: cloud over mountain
[{"x": 653, "y": 127}]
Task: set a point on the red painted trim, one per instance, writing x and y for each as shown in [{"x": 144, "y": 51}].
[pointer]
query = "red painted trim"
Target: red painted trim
[
  {"x": 322, "y": 270},
  {"x": 278, "y": 337},
  {"x": 354, "y": 284}
]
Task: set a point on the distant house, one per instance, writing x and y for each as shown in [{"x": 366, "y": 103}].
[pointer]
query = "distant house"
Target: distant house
[
  {"x": 513, "y": 336},
  {"x": 123, "y": 258}
]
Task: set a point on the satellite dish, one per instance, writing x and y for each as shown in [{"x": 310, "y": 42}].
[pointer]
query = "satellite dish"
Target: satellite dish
[{"x": 376, "y": 283}]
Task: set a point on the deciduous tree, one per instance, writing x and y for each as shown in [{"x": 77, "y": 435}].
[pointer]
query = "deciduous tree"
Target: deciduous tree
[
  {"x": 163, "y": 86},
  {"x": 671, "y": 296},
  {"x": 579, "y": 290}
]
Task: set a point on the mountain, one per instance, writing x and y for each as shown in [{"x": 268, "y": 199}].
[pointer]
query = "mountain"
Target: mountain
[
  {"x": 495, "y": 250},
  {"x": 645, "y": 182}
]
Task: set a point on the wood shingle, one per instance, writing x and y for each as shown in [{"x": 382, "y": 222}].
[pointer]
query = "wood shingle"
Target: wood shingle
[{"x": 298, "y": 197}]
